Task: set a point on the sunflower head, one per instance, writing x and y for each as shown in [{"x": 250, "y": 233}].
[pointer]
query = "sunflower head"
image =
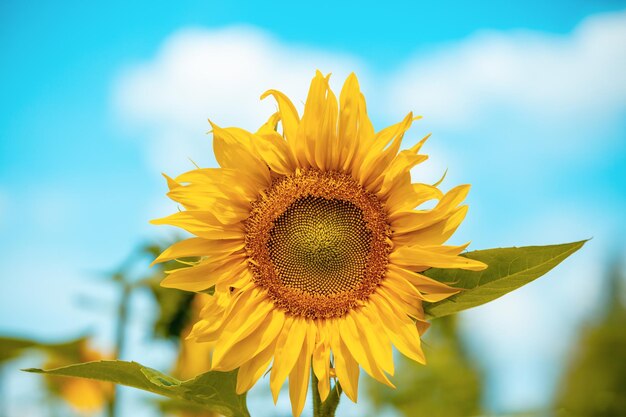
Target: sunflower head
[
  {"x": 318, "y": 243},
  {"x": 312, "y": 237}
]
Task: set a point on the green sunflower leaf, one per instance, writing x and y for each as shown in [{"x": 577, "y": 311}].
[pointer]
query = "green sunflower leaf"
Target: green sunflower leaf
[
  {"x": 213, "y": 391},
  {"x": 508, "y": 269}
]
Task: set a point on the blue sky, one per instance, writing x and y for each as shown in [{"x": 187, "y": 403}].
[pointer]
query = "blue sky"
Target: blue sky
[{"x": 525, "y": 100}]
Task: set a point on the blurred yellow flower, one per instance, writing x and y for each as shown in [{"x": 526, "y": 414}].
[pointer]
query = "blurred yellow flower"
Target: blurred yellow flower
[
  {"x": 310, "y": 238},
  {"x": 86, "y": 396}
]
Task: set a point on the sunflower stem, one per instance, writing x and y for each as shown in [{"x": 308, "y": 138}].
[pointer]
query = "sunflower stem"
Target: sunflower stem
[
  {"x": 317, "y": 401},
  {"x": 326, "y": 408}
]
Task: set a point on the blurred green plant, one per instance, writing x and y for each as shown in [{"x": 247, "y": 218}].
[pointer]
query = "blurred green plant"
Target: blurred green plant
[
  {"x": 594, "y": 384},
  {"x": 13, "y": 347}
]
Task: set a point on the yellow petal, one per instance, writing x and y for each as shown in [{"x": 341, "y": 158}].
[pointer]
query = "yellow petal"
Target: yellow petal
[
  {"x": 234, "y": 151},
  {"x": 213, "y": 198},
  {"x": 273, "y": 149},
  {"x": 401, "y": 285},
  {"x": 198, "y": 247},
  {"x": 214, "y": 305},
  {"x": 270, "y": 149},
  {"x": 359, "y": 346},
  {"x": 404, "y": 293},
  {"x": 171, "y": 184},
  {"x": 429, "y": 257},
  {"x": 288, "y": 347},
  {"x": 209, "y": 332},
  {"x": 380, "y": 155},
  {"x": 422, "y": 326},
  {"x": 252, "y": 316},
  {"x": 318, "y": 129},
  {"x": 431, "y": 290},
  {"x": 400, "y": 329},
  {"x": 321, "y": 360},
  {"x": 288, "y": 114},
  {"x": 365, "y": 139},
  {"x": 391, "y": 133},
  {"x": 202, "y": 224},
  {"x": 405, "y": 196},
  {"x": 250, "y": 372},
  {"x": 229, "y": 182},
  {"x": 215, "y": 311},
  {"x": 369, "y": 325},
  {"x": 346, "y": 367},
  {"x": 435, "y": 234},
  {"x": 349, "y": 123},
  {"x": 402, "y": 164},
  {"x": 204, "y": 275},
  {"x": 326, "y": 147},
  {"x": 226, "y": 358},
  {"x": 310, "y": 124},
  {"x": 299, "y": 375},
  {"x": 406, "y": 221},
  {"x": 411, "y": 306},
  {"x": 221, "y": 212},
  {"x": 270, "y": 128},
  {"x": 237, "y": 279}
]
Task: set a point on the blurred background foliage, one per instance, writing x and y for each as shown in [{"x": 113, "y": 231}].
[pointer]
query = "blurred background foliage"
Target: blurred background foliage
[
  {"x": 595, "y": 381},
  {"x": 593, "y": 384}
]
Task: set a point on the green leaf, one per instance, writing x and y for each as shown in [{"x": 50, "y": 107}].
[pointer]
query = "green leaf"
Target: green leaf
[
  {"x": 180, "y": 408},
  {"x": 215, "y": 391},
  {"x": 508, "y": 269}
]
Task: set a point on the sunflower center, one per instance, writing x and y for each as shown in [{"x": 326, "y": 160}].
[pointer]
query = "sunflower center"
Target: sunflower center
[
  {"x": 320, "y": 246},
  {"x": 318, "y": 243}
]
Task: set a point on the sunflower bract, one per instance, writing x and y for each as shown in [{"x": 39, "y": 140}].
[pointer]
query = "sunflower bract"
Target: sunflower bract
[{"x": 311, "y": 235}]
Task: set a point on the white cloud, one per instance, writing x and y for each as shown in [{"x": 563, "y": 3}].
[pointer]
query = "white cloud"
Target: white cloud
[
  {"x": 522, "y": 102},
  {"x": 217, "y": 74},
  {"x": 572, "y": 78}
]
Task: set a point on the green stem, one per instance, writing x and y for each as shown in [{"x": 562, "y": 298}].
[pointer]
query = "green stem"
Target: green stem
[
  {"x": 328, "y": 407},
  {"x": 317, "y": 401}
]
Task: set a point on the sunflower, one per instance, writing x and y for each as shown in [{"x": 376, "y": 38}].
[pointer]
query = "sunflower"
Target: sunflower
[{"x": 310, "y": 237}]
